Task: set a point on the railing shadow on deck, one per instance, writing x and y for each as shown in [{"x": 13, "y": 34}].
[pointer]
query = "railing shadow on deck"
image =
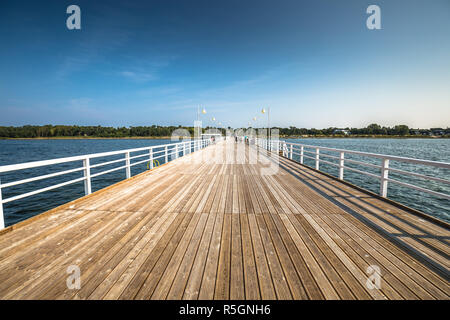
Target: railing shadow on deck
[{"x": 391, "y": 237}]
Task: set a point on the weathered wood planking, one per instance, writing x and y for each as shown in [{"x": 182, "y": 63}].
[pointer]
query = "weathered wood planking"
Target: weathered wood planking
[{"x": 202, "y": 228}]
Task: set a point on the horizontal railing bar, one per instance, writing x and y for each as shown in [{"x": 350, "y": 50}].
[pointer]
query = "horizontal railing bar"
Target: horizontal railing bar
[
  {"x": 438, "y": 194},
  {"x": 160, "y": 151},
  {"x": 363, "y": 163},
  {"x": 380, "y": 156},
  {"x": 363, "y": 172},
  {"x": 24, "y": 195},
  {"x": 310, "y": 152},
  {"x": 419, "y": 175},
  {"x": 329, "y": 156},
  {"x": 161, "y": 156},
  {"x": 139, "y": 156},
  {"x": 290, "y": 148},
  {"x": 34, "y": 164},
  {"x": 329, "y": 162},
  {"x": 392, "y": 170},
  {"x": 51, "y": 175},
  {"x": 308, "y": 157},
  {"x": 107, "y": 171},
  {"x": 377, "y": 167},
  {"x": 139, "y": 162},
  {"x": 106, "y": 163},
  {"x": 166, "y": 151}
]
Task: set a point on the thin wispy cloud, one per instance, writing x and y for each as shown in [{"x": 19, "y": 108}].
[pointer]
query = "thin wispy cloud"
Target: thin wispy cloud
[{"x": 138, "y": 76}]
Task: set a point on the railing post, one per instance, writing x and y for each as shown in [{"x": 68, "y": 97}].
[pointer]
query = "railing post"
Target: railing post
[
  {"x": 87, "y": 176},
  {"x": 184, "y": 149},
  {"x": 301, "y": 154},
  {"x": 151, "y": 158},
  {"x": 176, "y": 151},
  {"x": 127, "y": 164},
  {"x": 292, "y": 151},
  {"x": 384, "y": 177},
  {"x": 2, "y": 218},
  {"x": 166, "y": 153},
  {"x": 317, "y": 158},
  {"x": 341, "y": 166}
]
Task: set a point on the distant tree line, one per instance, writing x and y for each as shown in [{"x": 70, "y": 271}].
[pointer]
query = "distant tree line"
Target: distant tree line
[
  {"x": 49, "y": 131},
  {"x": 372, "y": 129}
]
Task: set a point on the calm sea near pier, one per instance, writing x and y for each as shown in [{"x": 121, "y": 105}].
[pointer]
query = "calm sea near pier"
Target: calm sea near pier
[
  {"x": 19, "y": 151},
  {"x": 427, "y": 149}
]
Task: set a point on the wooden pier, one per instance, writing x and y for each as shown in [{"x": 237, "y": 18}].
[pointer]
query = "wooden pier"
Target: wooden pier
[{"x": 202, "y": 229}]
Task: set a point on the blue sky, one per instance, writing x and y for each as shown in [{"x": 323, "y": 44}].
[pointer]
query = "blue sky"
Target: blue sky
[{"x": 314, "y": 63}]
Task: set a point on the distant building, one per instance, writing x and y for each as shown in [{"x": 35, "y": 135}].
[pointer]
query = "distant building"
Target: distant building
[
  {"x": 341, "y": 131},
  {"x": 437, "y": 131},
  {"x": 208, "y": 136}
]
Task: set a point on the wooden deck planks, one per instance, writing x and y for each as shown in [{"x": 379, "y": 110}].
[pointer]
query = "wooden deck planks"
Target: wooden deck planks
[{"x": 197, "y": 229}]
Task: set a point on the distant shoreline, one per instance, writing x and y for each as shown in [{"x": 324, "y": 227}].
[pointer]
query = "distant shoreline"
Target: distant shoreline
[
  {"x": 88, "y": 138},
  {"x": 365, "y": 137},
  {"x": 282, "y": 137}
]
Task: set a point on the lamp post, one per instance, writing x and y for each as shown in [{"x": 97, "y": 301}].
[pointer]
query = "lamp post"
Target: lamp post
[
  {"x": 213, "y": 125},
  {"x": 198, "y": 112},
  {"x": 198, "y": 122},
  {"x": 263, "y": 111}
]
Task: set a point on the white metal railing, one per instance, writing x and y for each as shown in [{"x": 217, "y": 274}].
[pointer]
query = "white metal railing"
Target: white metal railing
[
  {"x": 313, "y": 152},
  {"x": 165, "y": 151}
]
